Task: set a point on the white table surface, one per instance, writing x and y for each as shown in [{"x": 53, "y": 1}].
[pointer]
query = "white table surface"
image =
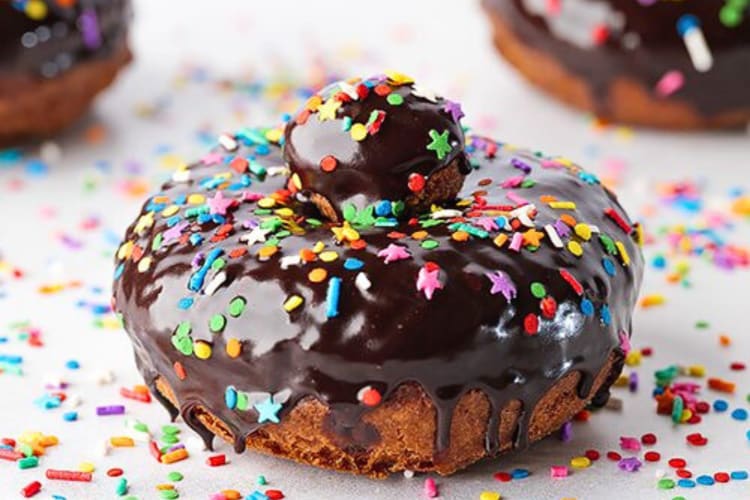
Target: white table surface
[{"x": 152, "y": 118}]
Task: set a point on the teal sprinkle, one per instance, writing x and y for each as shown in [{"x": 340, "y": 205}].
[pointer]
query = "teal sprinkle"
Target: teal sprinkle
[{"x": 678, "y": 405}]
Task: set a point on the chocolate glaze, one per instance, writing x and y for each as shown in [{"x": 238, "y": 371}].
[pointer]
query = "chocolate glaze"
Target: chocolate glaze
[
  {"x": 379, "y": 166},
  {"x": 63, "y": 37},
  {"x": 465, "y": 337},
  {"x": 643, "y": 45}
]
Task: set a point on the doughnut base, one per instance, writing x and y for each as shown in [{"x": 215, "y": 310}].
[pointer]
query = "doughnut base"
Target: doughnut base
[
  {"x": 32, "y": 107},
  {"x": 406, "y": 424},
  {"x": 629, "y": 101}
]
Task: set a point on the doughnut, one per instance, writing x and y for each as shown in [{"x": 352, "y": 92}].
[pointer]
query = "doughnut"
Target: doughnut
[
  {"x": 418, "y": 325},
  {"x": 55, "y": 57},
  {"x": 659, "y": 63}
]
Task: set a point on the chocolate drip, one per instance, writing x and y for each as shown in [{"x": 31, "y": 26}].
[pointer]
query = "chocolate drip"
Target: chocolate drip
[
  {"x": 55, "y": 42},
  {"x": 468, "y": 336},
  {"x": 642, "y": 43}
]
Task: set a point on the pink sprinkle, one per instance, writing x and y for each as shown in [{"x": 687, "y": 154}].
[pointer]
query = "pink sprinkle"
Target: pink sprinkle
[
  {"x": 558, "y": 472},
  {"x": 630, "y": 443},
  {"x": 518, "y": 200},
  {"x": 217, "y": 496},
  {"x": 516, "y": 242},
  {"x": 430, "y": 488},
  {"x": 512, "y": 182},
  {"x": 671, "y": 82}
]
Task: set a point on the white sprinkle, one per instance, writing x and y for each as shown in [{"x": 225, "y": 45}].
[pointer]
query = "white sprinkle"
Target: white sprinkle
[
  {"x": 257, "y": 235},
  {"x": 277, "y": 170},
  {"x": 698, "y": 49},
  {"x": 408, "y": 474},
  {"x": 101, "y": 449},
  {"x": 194, "y": 444},
  {"x": 228, "y": 142},
  {"x": 349, "y": 90},
  {"x": 594, "y": 229},
  {"x": 282, "y": 396},
  {"x": 104, "y": 377},
  {"x": 74, "y": 401},
  {"x": 553, "y": 236},
  {"x": 522, "y": 214},
  {"x": 614, "y": 404},
  {"x": 290, "y": 260},
  {"x": 50, "y": 152},
  {"x": 215, "y": 283},
  {"x": 446, "y": 214},
  {"x": 362, "y": 282},
  {"x": 181, "y": 176},
  {"x": 659, "y": 473},
  {"x": 254, "y": 398}
]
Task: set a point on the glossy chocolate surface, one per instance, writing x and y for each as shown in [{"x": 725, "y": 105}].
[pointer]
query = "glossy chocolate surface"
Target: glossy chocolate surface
[
  {"x": 603, "y": 40},
  {"x": 484, "y": 299},
  {"x": 398, "y": 120},
  {"x": 49, "y": 43}
]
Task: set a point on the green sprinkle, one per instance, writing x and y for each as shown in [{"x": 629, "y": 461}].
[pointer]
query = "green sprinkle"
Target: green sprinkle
[
  {"x": 261, "y": 481},
  {"x": 730, "y": 16},
  {"x": 122, "y": 487},
  {"x": 608, "y": 244},
  {"x": 395, "y": 99},
  {"x": 528, "y": 183},
  {"x": 397, "y": 208},
  {"x": 156, "y": 244},
  {"x": 26, "y": 449},
  {"x": 217, "y": 323},
  {"x": 314, "y": 222},
  {"x": 702, "y": 324},
  {"x": 183, "y": 343},
  {"x": 170, "y": 439},
  {"x": 236, "y": 307},
  {"x": 170, "y": 429},
  {"x": 140, "y": 427},
  {"x": 538, "y": 290},
  {"x": 218, "y": 264},
  {"x": 262, "y": 211},
  {"x": 242, "y": 402},
  {"x": 183, "y": 329},
  {"x": 665, "y": 484},
  {"x": 430, "y": 244},
  {"x": 169, "y": 494},
  {"x": 174, "y": 476},
  {"x": 283, "y": 234},
  {"x": 678, "y": 405},
  {"x": 28, "y": 462},
  {"x": 349, "y": 211}
]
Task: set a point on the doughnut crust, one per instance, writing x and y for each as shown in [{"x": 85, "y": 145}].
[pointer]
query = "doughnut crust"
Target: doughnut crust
[{"x": 618, "y": 78}]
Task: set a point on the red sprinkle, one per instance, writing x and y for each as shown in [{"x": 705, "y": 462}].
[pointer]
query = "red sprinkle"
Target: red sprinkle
[
  {"x": 68, "y": 475},
  {"x": 31, "y": 489},
  {"x": 503, "y": 477},
  {"x": 696, "y": 439},
  {"x": 646, "y": 351},
  {"x": 10, "y": 455},
  {"x": 216, "y": 460},
  {"x": 574, "y": 284},
  {"x": 114, "y": 472},
  {"x": 416, "y": 182},
  {"x": 652, "y": 456},
  {"x": 737, "y": 366},
  {"x": 274, "y": 494},
  {"x": 153, "y": 448},
  {"x": 614, "y": 456},
  {"x": 721, "y": 477},
  {"x": 531, "y": 324},
  {"x": 179, "y": 370},
  {"x": 328, "y": 163},
  {"x": 143, "y": 397},
  {"x": 612, "y": 214},
  {"x": 702, "y": 407},
  {"x": 648, "y": 438},
  {"x": 592, "y": 455},
  {"x": 684, "y": 473},
  {"x": 677, "y": 463}
]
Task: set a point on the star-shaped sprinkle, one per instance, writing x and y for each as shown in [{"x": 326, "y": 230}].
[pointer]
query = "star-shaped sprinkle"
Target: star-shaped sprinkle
[
  {"x": 428, "y": 282},
  {"x": 145, "y": 221},
  {"x": 327, "y": 111},
  {"x": 213, "y": 158},
  {"x": 454, "y": 109},
  {"x": 424, "y": 93},
  {"x": 257, "y": 235},
  {"x": 219, "y": 205},
  {"x": 486, "y": 223},
  {"x": 533, "y": 237},
  {"x": 501, "y": 283},
  {"x": 268, "y": 411},
  {"x": 439, "y": 144},
  {"x": 394, "y": 252},
  {"x": 174, "y": 232}
]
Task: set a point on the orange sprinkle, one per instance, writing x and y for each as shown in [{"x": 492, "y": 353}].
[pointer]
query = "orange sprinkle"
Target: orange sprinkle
[
  {"x": 317, "y": 275},
  {"x": 237, "y": 252},
  {"x": 547, "y": 198},
  {"x": 307, "y": 255},
  {"x": 234, "y": 347},
  {"x": 500, "y": 240},
  {"x": 231, "y": 494},
  {"x": 460, "y": 236},
  {"x": 179, "y": 370},
  {"x": 163, "y": 486},
  {"x": 569, "y": 220},
  {"x": 267, "y": 252},
  {"x": 725, "y": 340},
  {"x": 174, "y": 456},
  {"x": 721, "y": 385},
  {"x": 419, "y": 235}
]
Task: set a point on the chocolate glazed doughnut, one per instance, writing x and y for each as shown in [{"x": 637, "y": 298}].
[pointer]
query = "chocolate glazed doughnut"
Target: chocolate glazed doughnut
[
  {"x": 55, "y": 57},
  {"x": 651, "y": 62},
  {"x": 390, "y": 339}
]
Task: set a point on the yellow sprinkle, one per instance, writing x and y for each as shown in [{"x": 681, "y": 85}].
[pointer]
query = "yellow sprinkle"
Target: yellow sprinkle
[
  {"x": 399, "y": 78},
  {"x": 358, "y": 132},
  {"x": 563, "y": 205},
  {"x": 639, "y": 234},
  {"x": 686, "y": 415},
  {"x": 234, "y": 348},
  {"x": 697, "y": 371},
  {"x": 266, "y": 203},
  {"x": 575, "y": 248},
  {"x": 623, "y": 253},
  {"x": 328, "y": 256},
  {"x": 164, "y": 486},
  {"x": 580, "y": 462},
  {"x": 170, "y": 210},
  {"x": 654, "y": 299},
  {"x": 273, "y": 135},
  {"x": 196, "y": 199},
  {"x": 86, "y": 467},
  {"x": 296, "y": 181},
  {"x": 500, "y": 240},
  {"x": 633, "y": 358},
  {"x": 318, "y": 247},
  {"x": 36, "y": 9},
  {"x": 48, "y": 441},
  {"x": 293, "y": 303},
  {"x": 174, "y": 456},
  {"x": 349, "y": 233},
  {"x": 682, "y": 268},
  {"x": 145, "y": 221},
  {"x": 622, "y": 381},
  {"x": 583, "y": 231},
  {"x": 317, "y": 275},
  {"x": 285, "y": 212},
  {"x": 202, "y": 349},
  {"x": 121, "y": 441},
  {"x": 144, "y": 264},
  {"x": 489, "y": 495},
  {"x": 125, "y": 251},
  {"x": 265, "y": 253}
]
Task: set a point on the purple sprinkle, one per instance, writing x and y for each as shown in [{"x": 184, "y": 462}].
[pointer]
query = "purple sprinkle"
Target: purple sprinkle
[
  {"x": 89, "y": 24},
  {"x": 566, "y": 432},
  {"x": 176, "y": 447},
  {"x": 633, "y": 382},
  {"x": 630, "y": 464},
  {"x": 110, "y": 410},
  {"x": 562, "y": 228},
  {"x": 521, "y": 165}
]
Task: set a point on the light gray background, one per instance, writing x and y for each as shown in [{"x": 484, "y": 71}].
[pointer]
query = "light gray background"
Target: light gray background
[{"x": 445, "y": 44}]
